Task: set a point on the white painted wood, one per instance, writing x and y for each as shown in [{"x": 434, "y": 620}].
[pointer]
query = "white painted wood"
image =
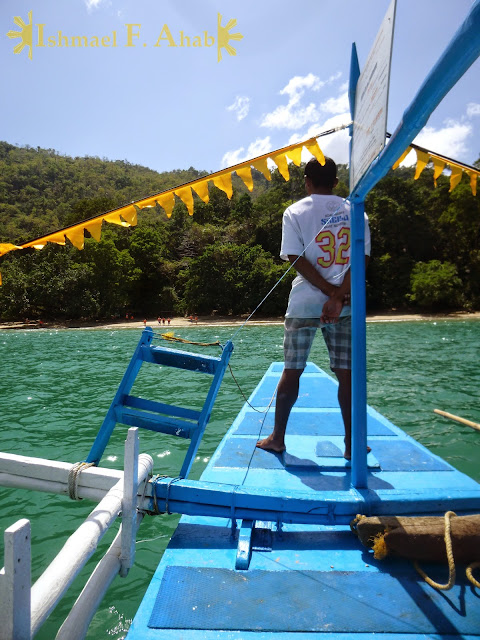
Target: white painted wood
[
  {"x": 15, "y": 580},
  {"x": 53, "y": 471},
  {"x": 59, "y": 575},
  {"x": 32, "y": 484},
  {"x": 78, "y": 620},
  {"x": 129, "y": 504}
]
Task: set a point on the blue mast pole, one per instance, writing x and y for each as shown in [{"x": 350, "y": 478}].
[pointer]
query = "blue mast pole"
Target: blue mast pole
[
  {"x": 460, "y": 54},
  {"x": 359, "y": 359}
]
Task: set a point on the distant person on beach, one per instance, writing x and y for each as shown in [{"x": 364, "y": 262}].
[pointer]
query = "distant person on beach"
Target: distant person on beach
[{"x": 316, "y": 237}]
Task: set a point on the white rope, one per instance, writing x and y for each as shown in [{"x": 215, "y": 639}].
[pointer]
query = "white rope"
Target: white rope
[{"x": 74, "y": 475}]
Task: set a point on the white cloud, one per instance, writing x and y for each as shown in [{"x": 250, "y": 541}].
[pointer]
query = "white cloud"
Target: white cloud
[
  {"x": 294, "y": 114},
  {"x": 473, "y": 109},
  {"x": 290, "y": 116},
  {"x": 296, "y": 86},
  {"x": 240, "y": 106},
  {"x": 257, "y": 148},
  {"x": 336, "y": 105},
  {"x": 93, "y": 4}
]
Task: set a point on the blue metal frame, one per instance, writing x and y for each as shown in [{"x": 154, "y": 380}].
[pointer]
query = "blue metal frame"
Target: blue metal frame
[
  {"x": 157, "y": 416},
  {"x": 459, "y": 55}
]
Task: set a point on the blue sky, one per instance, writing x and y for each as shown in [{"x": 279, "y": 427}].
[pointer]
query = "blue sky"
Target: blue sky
[{"x": 170, "y": 107}]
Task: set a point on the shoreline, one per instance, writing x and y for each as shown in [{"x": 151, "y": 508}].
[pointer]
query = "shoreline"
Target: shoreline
[{"x": 226, "y": 321}]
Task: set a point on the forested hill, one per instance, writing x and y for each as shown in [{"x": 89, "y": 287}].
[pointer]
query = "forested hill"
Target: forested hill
[{"x": 224, "y": 258}]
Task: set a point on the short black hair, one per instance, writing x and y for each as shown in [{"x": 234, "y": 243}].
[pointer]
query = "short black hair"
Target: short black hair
[{"x": 321, "y": 175}]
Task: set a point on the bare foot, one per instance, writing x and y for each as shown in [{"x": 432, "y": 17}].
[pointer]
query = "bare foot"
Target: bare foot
[
  {"x": 271, "y": 444},
  {"x": 348, "y": 456}
]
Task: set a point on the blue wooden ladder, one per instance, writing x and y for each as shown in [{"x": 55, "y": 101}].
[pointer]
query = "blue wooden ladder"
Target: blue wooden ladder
[{"x": 156, "y": 416}]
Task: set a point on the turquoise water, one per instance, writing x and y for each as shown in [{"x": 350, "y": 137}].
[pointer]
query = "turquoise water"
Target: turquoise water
[{"x": 56, "y": 387}]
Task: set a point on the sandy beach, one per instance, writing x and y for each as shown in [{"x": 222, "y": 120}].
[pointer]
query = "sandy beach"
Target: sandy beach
[{"x": 228, "y": 321}]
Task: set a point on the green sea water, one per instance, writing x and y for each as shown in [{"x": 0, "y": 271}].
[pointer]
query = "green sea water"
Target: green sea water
[{"x": 57, "y": 385}]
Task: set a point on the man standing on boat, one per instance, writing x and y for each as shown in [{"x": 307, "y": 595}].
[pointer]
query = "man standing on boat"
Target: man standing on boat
[{"x": 316, "y": 239}]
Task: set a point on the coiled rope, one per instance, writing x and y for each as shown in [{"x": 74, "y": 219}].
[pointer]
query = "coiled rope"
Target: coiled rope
[{"x": 74, "y": 475}]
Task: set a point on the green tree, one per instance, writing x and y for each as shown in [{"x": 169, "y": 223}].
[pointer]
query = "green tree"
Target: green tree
[{"x": 435, "y": 285}]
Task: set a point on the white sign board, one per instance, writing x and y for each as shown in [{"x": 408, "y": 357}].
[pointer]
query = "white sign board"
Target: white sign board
[{"x": 371, "y": 101}]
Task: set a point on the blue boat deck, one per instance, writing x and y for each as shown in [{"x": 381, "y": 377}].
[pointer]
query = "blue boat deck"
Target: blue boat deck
[{"x": 310, "y": 578}]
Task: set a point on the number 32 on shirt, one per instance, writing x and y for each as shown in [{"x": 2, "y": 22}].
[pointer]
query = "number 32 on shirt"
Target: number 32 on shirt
[{"x": 333, "y": 254}]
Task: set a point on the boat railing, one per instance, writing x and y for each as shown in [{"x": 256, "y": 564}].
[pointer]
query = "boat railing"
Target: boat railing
[{"x": 25, "y": 608}]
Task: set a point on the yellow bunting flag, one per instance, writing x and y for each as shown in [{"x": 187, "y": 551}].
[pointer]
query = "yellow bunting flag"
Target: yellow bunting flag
[
  {"x": 6, "y": 247},
  {"x": 295, "y": 155},
  {"x": 126, "y": 215},
  {"x": 186, "y": 196},
  {"x": 422, "y": 161},
  {"x": 224, "y": 182},
  {"x": 57, "y": 238},
  {"x": 455, "y": 176},
  {"x": 76, "y": 237},
  {"x": 402, "y": 158},
  {"x": 95, "y": 229},
  {"x": 312, "y": 146},
  {"x": 167, "y": 202},
  {"x": 201, "y": 189},
  {"x": 282, "y": 164},
  {"x": 245, "y": 174},
  {"x": 262, "y": 166},
  {"x": 114, "y": 218},
  {"x": 146, "y": 203},
  {"x": 473, "y": 181},
  {"x": 438, "y": 167},
  {"x": 439, "y": 163}
]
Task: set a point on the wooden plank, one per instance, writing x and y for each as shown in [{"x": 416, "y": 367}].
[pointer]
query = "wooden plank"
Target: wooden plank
[
  {"x": 469, "y": 423},
  {"x": 15, "y": 579}
]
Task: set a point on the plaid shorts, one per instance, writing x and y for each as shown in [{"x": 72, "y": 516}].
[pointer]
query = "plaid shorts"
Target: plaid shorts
[{"x": 298, "y": 340}]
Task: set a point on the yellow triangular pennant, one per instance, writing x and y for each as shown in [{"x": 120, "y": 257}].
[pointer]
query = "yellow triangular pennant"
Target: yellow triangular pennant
[
  {"x": 438, "y": 167},
  {"x": 114, "y": 218},
  {"x": 312, "y": 146},
  {"x": 147, "y": 202},
  {"x": 57, "y": 238},
  {"x": 402, "y": 158},
  {"x": 295, "y": 155},
  {"x": 473, "y": 181},
  {"x": 282, "y": 164},
  {"x": 201, "y": 189},
  {"x": 129, "y": 214},
  {"x": 167, "y": 202},
  {"x": 76, "y": 237},
  {"x": 224, "y": 182},
  {"x": 6, "y": 247},
  {"x": 95, "y": 229},
  {"x": 186, "y": 196},
  {"x": 245, "y": 174},
  {"x": 262, "y": 166},
  {"x": 455, "y": 176},
  {"x": 422, "y": 161}
]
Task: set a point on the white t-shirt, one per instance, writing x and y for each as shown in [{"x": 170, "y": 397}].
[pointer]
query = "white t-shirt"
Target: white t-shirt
[{"x": 320, "y": 225}]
